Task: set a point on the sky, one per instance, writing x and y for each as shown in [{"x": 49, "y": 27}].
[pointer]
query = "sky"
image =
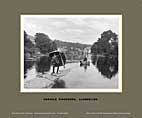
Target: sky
[{"x": 84, "y": 29}]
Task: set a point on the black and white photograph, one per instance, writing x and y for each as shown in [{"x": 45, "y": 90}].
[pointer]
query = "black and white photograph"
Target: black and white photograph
[{"x": 71, "y": 53}]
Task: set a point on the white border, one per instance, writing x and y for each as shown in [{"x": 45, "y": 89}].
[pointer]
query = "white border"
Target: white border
[{"x": 23, "y": 90}]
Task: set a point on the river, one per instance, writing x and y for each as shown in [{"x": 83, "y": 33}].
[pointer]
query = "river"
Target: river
[{"x": 101, "y": 73}]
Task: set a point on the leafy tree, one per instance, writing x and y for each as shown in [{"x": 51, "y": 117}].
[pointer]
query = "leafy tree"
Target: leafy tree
[
  {"x": 106, "y": 45},
  {"x": 53, "y": 46},
  {"x": 73, "y": 51},
  {"x": 28, "y": 45},
  {"x": 27, "y": 42},
  {"x": 44, "y": 43}
]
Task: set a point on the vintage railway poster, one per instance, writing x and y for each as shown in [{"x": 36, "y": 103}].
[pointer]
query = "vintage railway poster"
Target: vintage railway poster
[{"x": 70, "y": 59}]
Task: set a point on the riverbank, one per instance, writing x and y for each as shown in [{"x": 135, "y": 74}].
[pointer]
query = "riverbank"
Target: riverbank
[
  {"x": 40, "y": 81},
  {"x": 72, "y": 76},
  {"x": 47, "y": 80}
]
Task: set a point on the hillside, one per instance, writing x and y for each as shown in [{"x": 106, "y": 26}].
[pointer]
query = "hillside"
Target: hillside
[
  {"x": 73, "y": 51},
  {"x": 71, "y": 44}
]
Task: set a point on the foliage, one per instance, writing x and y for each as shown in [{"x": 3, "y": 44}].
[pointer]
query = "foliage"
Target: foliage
[
  {"x": 28, "y": 45},
  {"x": 106, "y": 45},
  {"x": 71, "y": 44},
  {"x": 44, "y": 43},
  {"x": 73, "y": 51},
  {"x": 27, "y": 42},
  {"x": 53, "y": 46}
]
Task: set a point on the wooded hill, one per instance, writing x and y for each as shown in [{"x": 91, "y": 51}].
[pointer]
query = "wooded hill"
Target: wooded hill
[{"x": 43, "y": 44}]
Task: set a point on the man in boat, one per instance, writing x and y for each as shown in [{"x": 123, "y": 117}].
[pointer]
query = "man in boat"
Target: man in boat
[{"x": 85, "y": 59}]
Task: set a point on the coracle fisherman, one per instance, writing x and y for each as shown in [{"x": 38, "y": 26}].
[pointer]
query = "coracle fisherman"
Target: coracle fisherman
[{"x": 56, "y": 63}]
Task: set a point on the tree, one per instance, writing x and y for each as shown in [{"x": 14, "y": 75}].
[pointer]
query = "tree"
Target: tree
[
  {"x": 53, "y": 46},
  {"x": 44, "y": 43},
  {"x": 107, "y": 44},
  {"x": 27, "y": 42},
  {"x": 28, "y": 45}
]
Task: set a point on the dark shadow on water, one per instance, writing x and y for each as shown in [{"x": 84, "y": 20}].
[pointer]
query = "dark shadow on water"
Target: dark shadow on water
[
  {"x": 27, "y": 66},
  {"x": 107, "y": 65},
  {"x": 58, "y": 83},
  {"x": 94, "y": 59},
  {"x": 43, "y": 64}
]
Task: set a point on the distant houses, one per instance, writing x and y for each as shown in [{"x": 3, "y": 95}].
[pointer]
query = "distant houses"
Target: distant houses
[
  {"x": 87, "y": 51},
  {"x": 75, "y": 53}
]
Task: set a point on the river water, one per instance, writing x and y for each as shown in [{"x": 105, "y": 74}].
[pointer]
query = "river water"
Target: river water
[{"x": 101, "y": 73}]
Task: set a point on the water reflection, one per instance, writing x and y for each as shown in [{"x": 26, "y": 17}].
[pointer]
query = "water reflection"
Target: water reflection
[
  {"x": 59, "y": 83},
  {"x": 84, "y": 64},
  {"x": 27, "y": 65},
  {"x": 107, "y": 65},
  {"x": 43, "y": 64},
  {"x": 73, "y": 75}
]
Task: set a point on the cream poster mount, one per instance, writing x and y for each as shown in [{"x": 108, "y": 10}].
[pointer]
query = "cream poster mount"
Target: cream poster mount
[{"x": 71, "y": 53}]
